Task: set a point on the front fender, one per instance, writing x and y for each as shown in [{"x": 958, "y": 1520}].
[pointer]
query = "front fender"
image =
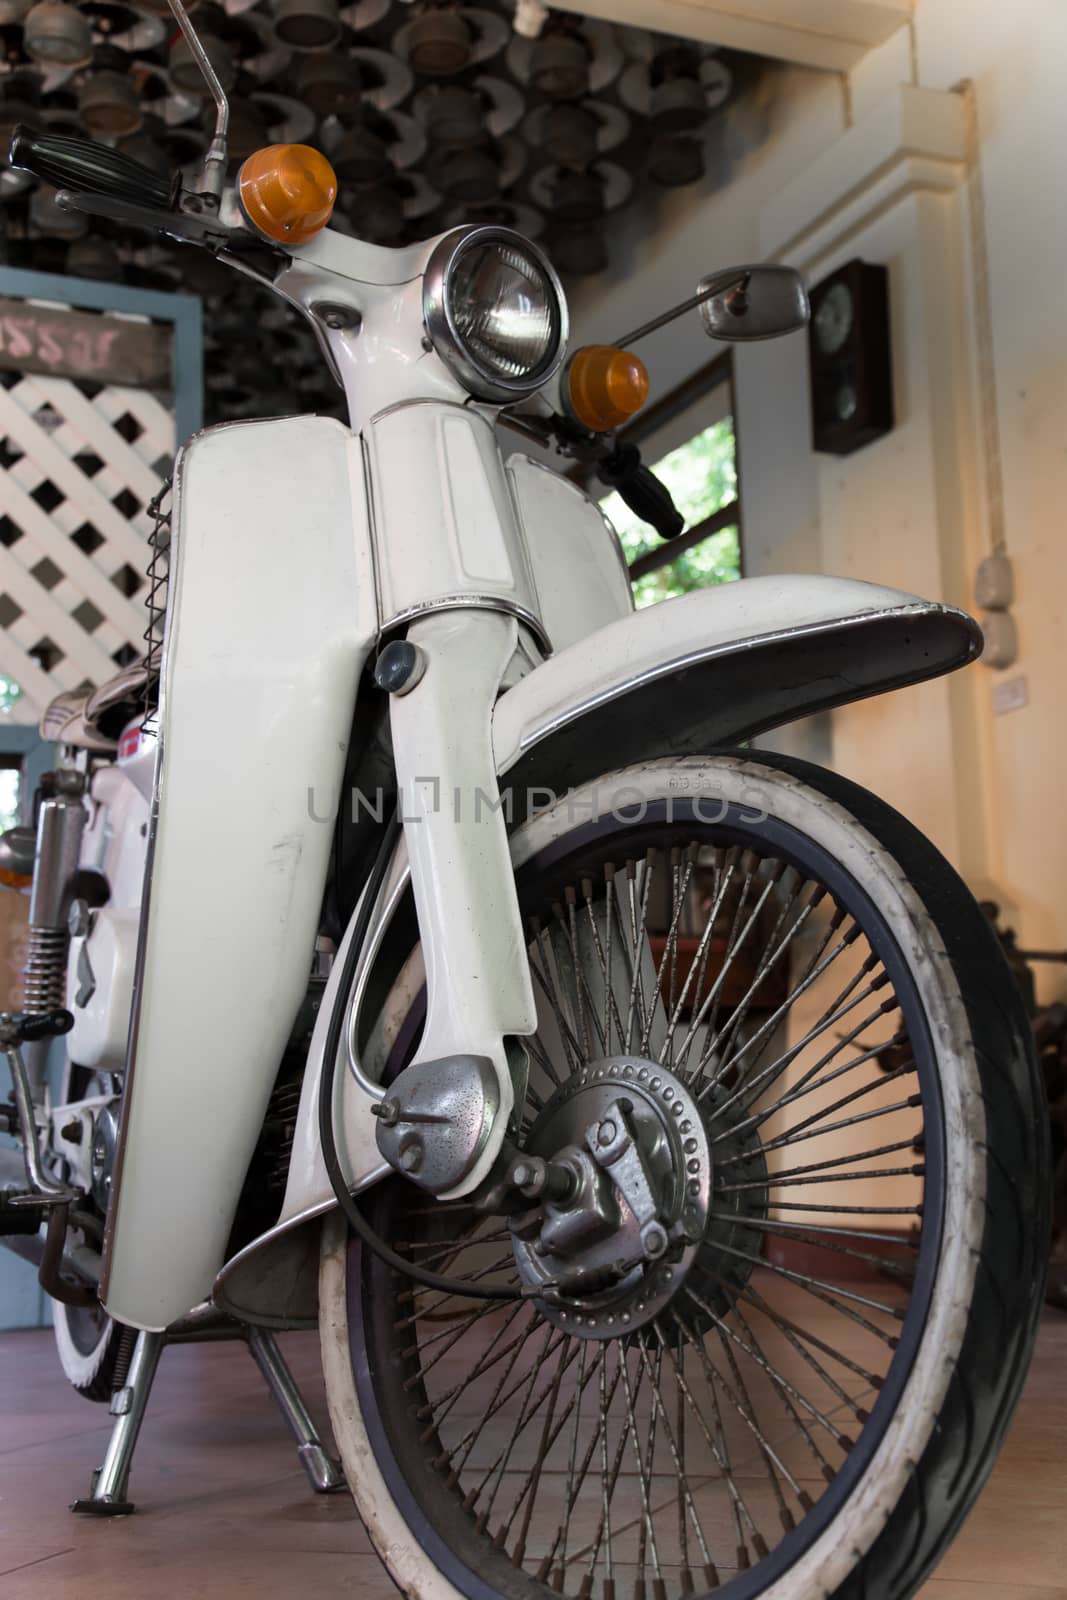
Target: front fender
[
  {"x": 705, "y": 670},
  {"x": 719, "y": 666}
]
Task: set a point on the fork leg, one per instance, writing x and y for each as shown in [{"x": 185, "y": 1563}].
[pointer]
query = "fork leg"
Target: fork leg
[{"x": 324, "y": 1473}]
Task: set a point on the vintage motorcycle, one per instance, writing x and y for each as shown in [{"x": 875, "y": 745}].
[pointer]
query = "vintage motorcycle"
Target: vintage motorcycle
[{"x": 688, "y": 1101}]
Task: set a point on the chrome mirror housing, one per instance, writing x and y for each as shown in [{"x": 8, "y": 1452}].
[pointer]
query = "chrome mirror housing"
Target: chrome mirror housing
[{"x": 757, "y": 302}]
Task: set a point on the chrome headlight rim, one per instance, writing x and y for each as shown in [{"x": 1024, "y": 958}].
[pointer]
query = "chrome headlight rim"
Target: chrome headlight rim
[{"x": 441, "y": 326}]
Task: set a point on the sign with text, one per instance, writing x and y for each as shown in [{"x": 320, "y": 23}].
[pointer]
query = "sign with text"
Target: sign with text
[{"x": 77, "y": 344}]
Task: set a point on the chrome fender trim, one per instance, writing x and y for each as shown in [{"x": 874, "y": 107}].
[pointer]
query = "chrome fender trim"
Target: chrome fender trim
[
  {"x": 708, "y": 669},
  {"x": 717, "y": 666}
]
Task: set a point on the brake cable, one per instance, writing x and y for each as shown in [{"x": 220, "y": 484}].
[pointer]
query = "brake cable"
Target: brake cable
[{"x": 327, "y": 1133}]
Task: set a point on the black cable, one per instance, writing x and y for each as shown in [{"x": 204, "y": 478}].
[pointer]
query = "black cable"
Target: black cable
[{"x": 356, "y": 1219}]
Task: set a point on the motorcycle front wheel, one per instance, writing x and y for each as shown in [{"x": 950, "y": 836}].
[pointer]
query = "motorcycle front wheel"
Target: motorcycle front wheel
[{"x": 805, "y": 1395}]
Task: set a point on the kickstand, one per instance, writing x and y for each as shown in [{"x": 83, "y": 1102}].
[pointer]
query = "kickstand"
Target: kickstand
[
  {"x": 110, "y": 1481},
  {"x": 324, "y": 1473},
  {"x": 108, "y": 1497}
]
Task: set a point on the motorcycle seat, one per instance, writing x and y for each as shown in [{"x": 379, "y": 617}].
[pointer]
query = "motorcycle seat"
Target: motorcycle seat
[{"x": 92, "y": 719}]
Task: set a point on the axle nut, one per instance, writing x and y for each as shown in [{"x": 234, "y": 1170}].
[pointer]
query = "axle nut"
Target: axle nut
[
  {"x": 654, "y": 1240},
  {"x": 411, "y": 1156}
]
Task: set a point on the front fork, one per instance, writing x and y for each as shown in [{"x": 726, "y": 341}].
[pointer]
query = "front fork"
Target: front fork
[{"x": 445, "y": 1118}]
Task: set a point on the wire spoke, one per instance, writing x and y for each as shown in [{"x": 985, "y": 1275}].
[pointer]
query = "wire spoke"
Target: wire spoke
[
  {"x": 638, "y": 942},
  {"x": 724, "y": 873},
  {"x": 818, "y": 965},
  {"x": 800, "y": 1130},
  {"x": 793, "y": 1336},
  {"x": 790, "y": 1395},
  {"x": 716, "y": 1441}
]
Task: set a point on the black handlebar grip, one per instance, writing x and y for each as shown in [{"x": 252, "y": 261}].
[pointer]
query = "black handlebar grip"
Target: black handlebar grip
[
  {"x": 85, "y": 167},
  {"x": 641, "y": 490}
]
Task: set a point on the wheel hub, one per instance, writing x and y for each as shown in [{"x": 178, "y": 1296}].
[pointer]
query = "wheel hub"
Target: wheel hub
[{"x": 613, "y": 1252}]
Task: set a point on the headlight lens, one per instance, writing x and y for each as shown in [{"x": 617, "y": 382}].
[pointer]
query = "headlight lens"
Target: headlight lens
[{"x": 495, "y": 312}]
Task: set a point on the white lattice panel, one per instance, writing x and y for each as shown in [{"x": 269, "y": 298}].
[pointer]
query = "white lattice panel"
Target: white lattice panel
[{"x": 75, "y": 477}]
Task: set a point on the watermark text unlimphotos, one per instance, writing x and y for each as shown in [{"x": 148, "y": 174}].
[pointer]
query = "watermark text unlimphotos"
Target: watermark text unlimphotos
[{"x": 681, "y": 799}]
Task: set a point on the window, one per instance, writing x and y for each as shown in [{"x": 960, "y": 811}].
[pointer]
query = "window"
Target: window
[
  {"x": 688, "y": 441},
  {"x": 10, "y": 789}
]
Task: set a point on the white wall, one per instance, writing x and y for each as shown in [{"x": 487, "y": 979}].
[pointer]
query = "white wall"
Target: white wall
[
  {"x": 1016, "y": 57},
  {"x": 824, "y": 169}
]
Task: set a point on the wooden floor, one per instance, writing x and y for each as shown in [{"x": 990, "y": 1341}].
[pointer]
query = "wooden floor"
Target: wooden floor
[{"x": 225, "y": 1511}]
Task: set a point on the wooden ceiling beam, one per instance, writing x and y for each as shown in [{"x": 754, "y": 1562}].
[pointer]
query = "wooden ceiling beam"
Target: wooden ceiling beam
[{"x": 832, "y": 34}]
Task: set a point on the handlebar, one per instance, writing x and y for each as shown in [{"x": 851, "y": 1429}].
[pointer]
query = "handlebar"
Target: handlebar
[
  {"x": 641, "y": 490},
  {"x": 86, "y": 167}
]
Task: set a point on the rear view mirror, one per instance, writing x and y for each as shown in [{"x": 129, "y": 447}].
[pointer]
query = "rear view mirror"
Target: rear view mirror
[{"x": 757, "y": 302}]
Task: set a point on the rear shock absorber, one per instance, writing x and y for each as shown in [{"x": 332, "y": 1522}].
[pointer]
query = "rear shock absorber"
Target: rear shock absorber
[{"x": 60, "y": 822}]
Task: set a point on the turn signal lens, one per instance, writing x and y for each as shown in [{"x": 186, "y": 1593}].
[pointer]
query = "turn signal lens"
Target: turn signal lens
[
  {"x": 287, "y": 191},
  {"x": 606, "y": 386}
]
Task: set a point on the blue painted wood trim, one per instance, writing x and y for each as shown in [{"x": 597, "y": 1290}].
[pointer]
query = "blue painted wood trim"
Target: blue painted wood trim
[{"x": 183, "y": 310}]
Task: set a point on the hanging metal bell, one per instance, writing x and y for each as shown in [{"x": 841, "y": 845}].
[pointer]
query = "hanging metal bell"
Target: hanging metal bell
[
  {"x": 675, "y": 161},
  {"x": 57, "y": 34},
  {"x": 378, "y": 215},
  {"x": 559, "y": 66},
  {"x": 328, "y": 83},
  {"x": 307, "y": 24},
  {"x": 677, "y": 100},
  {"x": 578, "y": 197},
  {"x": 467, "y": 174},
  {"x": 109, "y": 105},
  {"x": 580, "y": 252},
  {"x": 455, "y": 117},
  {"x": 160, "y": 8},
  {"x": 248, "y": 129},
  {"x": 569, "y": 136},
  {"x": 439, "y": 43},
  {"x": 360, "y": 156},
  {"x": 13, "y": 11},
  {"x": 185, "y": 71}
]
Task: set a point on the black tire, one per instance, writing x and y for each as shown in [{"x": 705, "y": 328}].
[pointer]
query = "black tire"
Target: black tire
[
  {"x": 1013, "y": 1256},
  {"x": 899, "y": 1512}
]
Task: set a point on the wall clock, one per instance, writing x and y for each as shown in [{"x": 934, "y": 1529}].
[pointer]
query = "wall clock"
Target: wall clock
[{"x": 851, "y": 362}]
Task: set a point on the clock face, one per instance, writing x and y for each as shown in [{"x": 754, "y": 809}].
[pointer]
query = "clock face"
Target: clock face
[
  {"x": 833, "y": 320},
  {"x": 846, "y": 402}
]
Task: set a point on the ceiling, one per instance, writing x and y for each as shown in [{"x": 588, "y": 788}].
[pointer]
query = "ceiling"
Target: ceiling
[{"x": 432, "y": 114}]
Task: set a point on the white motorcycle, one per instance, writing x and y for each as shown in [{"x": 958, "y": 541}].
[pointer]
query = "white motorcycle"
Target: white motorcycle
[{"x": 649, "y": 1122}]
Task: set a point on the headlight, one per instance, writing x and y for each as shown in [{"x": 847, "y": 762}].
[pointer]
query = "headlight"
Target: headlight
[{"x": 495, "y": 312}]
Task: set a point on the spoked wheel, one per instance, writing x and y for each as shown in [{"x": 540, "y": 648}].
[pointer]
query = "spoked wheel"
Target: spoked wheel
[
  {"x": 89, "y": 1342},
  {"x": 766, "y": 989}
]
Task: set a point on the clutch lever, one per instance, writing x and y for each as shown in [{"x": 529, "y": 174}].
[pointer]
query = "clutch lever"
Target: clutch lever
[{"x": 204, "y": 229}]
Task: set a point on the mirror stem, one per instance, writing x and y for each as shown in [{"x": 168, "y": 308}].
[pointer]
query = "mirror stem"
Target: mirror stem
[
  {"x": 720, "y": 283},
  {"x": 214, "y": 170}
]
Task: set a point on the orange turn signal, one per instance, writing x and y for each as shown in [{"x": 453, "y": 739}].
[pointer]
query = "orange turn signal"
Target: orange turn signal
[
  {"x": 607, "y": 386},
  {"x": 287, "y": 191}
]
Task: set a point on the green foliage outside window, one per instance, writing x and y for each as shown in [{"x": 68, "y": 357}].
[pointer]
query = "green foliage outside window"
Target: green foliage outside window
[
  {"x": 9, "y": 693},
  {"x": 9, "y": 797},
  {"x": 702, "y": 477}
]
